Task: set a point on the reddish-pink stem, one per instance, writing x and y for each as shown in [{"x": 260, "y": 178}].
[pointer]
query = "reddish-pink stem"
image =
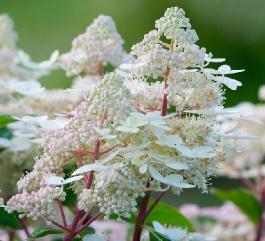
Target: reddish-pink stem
[
  {"x": 160, "y": 196},
  {"x": 107, "y": 150},
  {"x": 59, "y": 225},
  {"x": 249, "y": 184},
  {"x": 261, "y": 224},
  {"x": 164, "y": 103},
  {"x": 76, "y": 219},
  {"x": 59, "y": 203},
  {"x": 25, "y": 228},
  {"x": 83, "y": 219},
  {"x": 91, "y": 220},
  {"x": 89, "y": 176},
  {"x": 141, "y": 217}
]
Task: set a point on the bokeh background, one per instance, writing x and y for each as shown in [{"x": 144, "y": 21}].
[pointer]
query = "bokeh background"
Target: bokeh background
[{"x": 234, "y": 29}]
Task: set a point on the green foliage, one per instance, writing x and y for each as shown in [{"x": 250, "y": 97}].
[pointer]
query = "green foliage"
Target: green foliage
[
  {"x": 244, "y": 200},
  {"x": 71, "y": 197},
  {"x": 9, "y": 220},
  {"x": 6, "y": 119},
  {"x": 166, "y": 214},
  {"x": 154, "y": 236},
  {"x": 43, "y": 231},
  {"x": 5, "y": 132},
  {"x": 88, "y": 230}
]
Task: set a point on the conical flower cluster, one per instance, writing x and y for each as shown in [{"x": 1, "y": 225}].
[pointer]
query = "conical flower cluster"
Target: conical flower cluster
[{"x": 150, "y": 126}]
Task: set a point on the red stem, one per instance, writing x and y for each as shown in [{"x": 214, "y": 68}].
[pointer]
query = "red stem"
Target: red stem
[
  {"x": 164, "y": 103},
  {"x": 160, "y": 196},
  {"x": 108, "y": 150},
  {"x": 141, "y": 217},
  {"x": 249, "y": 184},
  {"x": 59, "y": 225},
  {"x": 83, "y": 219},
  {"x": 59, "y": 203},
  {"x": 261, "y": 224},
  {"x": 25, "y": 228},
  {"x": 76, "y": 219},
  {"x": 91, "y": 220}
]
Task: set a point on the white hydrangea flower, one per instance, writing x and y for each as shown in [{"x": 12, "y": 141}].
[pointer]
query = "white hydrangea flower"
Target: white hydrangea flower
[
  {"x": 248, "y": 140},
  {"x": 8, "y": 36},
  {"x": 177, "y": 234},
  {"x": 98, "y": 46},
  {"x": 122, "y": 137}
]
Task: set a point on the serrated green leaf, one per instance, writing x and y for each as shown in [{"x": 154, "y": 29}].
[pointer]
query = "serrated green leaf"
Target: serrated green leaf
[
  {"x": 6, "y": 119},
  {"x": 44, "y": 231},
  {"x": 166, "y": 214},
  {"x": 244, "y": 200},
  {"x": 9, "y": 220}
]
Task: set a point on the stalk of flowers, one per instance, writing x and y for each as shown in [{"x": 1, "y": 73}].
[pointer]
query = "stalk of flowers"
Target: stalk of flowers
[
  {"x": 17, "y": 72},
  {"x": 125, "y": 144},
  {"x": 107, "y": 40},
  {"x": 182, "y": 145},
  {"x": 247, "y": 164},
  {"x": 51, "y": 102},
  {"x": 18, "y": 80}
]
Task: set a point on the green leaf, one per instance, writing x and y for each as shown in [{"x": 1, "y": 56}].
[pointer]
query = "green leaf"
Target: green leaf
[
  {"x": 43, "y": 231},
  {"x": 6, "y": 119},
  {"x": 9, "y": 220},
  {"x": 88, "y": 230},
  {"x": 154, "y": 236},
  {"x": 166, "y": 214},
  {"x": 244, "y": 200},
  {"x": 71, "y": 197},
  {"x": 5, "y": 133}
]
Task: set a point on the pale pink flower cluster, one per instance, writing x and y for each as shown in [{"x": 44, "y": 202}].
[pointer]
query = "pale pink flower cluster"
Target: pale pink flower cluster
[
  {"x": 129, "y": 136},
  {"x": 98, "y": 46},
  {"x": 223, "y": 223},
  {"x": 248, "y": 161}
]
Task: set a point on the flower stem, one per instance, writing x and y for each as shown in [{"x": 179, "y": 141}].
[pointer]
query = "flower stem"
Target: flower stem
[
  {"x": 160, "y": 196},
  {"x": 91, "y": 220},
  {"x": 164, "y": 103},
  {"x": 141, "y": 217},
  {"x": 11, "y": 235},
  {"x": 261, "y": 224},
  {"x": 25, "y": 228},
  {"x": 59, "y": 203},
  {"x": 85, "y": 216}
]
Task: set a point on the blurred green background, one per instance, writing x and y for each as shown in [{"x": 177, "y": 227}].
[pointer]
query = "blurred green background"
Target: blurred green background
[{"x": 234, "y": 29}]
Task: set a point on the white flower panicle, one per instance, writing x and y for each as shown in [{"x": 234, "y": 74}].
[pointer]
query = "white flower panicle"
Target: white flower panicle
[
  {"x": 36, "y": 204},
  {"x": 18, "y": 74},
  {"x": 130, "y": 136},
  {"x": 8, "y": 36},
  {"x": 98, "y": 46},
  {"x": 115, "y": 192},
  {"x": 154, "y": 56},
  {"x": 193, "y": 90},
  {"x": 249, "y": 142},
  {"x": 106, "y": 107}
]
